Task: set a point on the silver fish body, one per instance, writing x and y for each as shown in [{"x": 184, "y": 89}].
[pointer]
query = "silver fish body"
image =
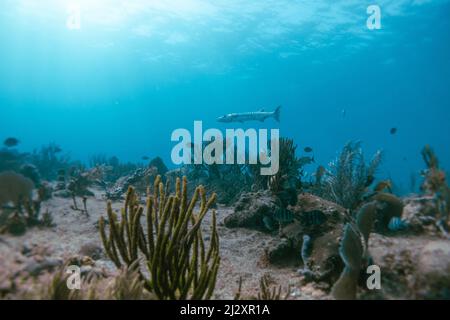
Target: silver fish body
[{"x": 251, "y": 116}]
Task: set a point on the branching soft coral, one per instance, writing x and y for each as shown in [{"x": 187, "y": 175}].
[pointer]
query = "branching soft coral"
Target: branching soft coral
[
  {"x": 179, "y": 264},
  {"x": 49, "y": 160},
  {"x": 349, "y": 176},
  {"x": 284, "y": 184}
]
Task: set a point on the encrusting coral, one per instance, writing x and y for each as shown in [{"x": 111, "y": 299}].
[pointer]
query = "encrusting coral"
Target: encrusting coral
[{"x": 178, "y": 264}]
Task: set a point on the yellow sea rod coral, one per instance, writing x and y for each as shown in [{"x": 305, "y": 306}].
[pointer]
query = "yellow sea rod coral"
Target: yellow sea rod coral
[{"x": 178, "y": 263}]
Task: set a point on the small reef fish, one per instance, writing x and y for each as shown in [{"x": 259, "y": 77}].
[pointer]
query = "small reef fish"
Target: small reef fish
[
  {"x": 397, "y": 224},
  {"x": 11, "y": 142},
  {"x": 313, "y": 218},
  {"x": 383, "y": 185},
  {"x": 145, "y": 158},
  {"x": 251, "y": 116},
  {"x": 308, "y": 149},
  {"x": 393, "y": 131},
  {"x": 284, "y": 216}
]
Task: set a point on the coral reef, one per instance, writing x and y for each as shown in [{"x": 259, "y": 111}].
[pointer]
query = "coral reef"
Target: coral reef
[
  {"x": 140, "y": 177},
  {"x": 31, "y": 172},
  {"x": 312, "y": 238},
  {"x": 178, "y": 263},
  {"x": 315, "y": 236},
  {"x": 388, "y": 208},
  {"x": 79, "y": 182},
  {"x": 158, "y": 163},
  {"x": 61, "y": 180},
  {"x": 16, "y": 189},
  {"x": 285, "y": 183},
  {"x": 78, "y": 186},
  {"x": 435, "y": 183},
  {"x": 11, "y": 160},
  {"x": 45, "y": 191},
  {"x": 230, "y": 181},
  {"x": 16, "y": 221},
  {"x": 420, "y": 215},
  {"x": 112, "y": 167},
  {"x": 253, "y": 209},
  {"x": 49, "y": 160}
]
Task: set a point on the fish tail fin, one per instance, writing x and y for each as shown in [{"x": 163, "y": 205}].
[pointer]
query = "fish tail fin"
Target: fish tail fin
[{"x": 276, "y": 113}]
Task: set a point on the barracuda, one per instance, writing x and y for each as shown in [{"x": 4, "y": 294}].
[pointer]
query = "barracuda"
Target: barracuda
[{"x": 251, "y": 116}]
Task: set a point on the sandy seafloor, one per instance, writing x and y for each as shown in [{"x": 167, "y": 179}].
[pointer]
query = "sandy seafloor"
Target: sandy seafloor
[{"x": 241, "y": 250}]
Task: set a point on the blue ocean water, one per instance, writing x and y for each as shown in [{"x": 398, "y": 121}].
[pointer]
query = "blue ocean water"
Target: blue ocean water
[{"x": 132, "y": 72}]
